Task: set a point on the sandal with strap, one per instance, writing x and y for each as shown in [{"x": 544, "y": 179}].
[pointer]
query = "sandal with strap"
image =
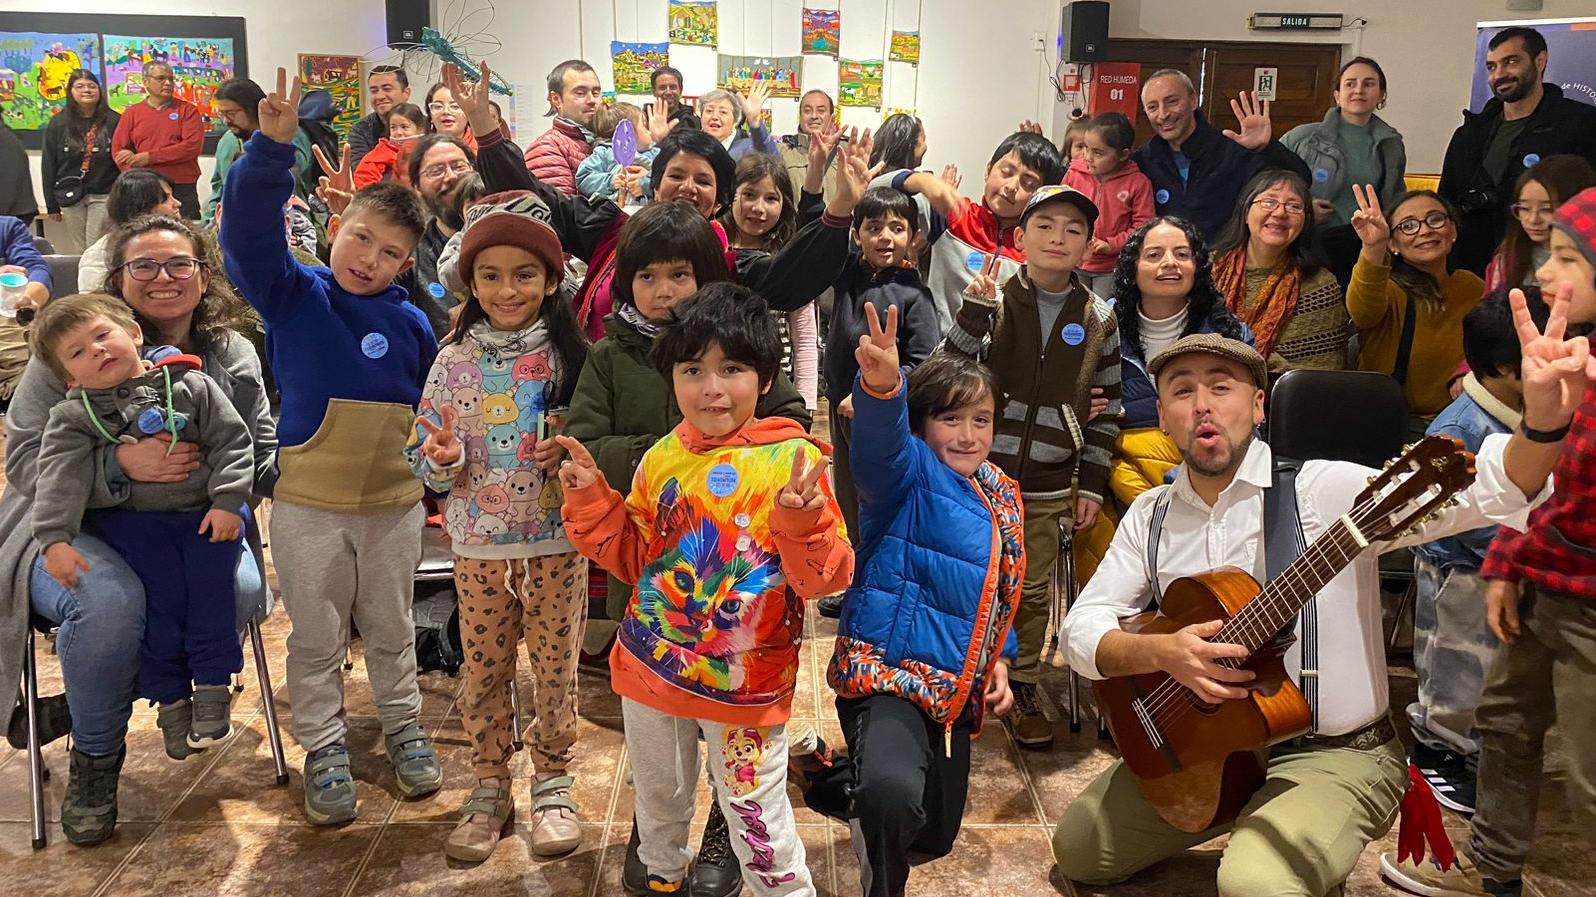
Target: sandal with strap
[
  {"x": 484, "y": 819},
  {"x": 555, "y": 828}
]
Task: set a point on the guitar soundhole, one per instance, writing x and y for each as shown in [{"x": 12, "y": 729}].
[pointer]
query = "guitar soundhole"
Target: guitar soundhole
[{"x": 1198, "y": 704}]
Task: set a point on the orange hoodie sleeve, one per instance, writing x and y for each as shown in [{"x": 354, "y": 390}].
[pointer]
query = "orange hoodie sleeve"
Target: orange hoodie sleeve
[
  {"x": 377, "y": 163},
  {"x": 816, "y": 556},
  {"x": 610, "y": 529}
]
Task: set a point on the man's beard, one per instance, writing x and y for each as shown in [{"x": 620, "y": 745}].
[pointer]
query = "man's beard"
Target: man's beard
[
  {"x": 1518, "y": 93},
  {"x": 1233, "y": 461},
  {"x": 442, "y": 207}
]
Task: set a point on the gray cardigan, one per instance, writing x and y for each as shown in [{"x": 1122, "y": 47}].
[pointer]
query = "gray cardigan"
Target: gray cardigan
[
  {"x": 234, "y": 366},
  {"x": 1319, "y": 146}
]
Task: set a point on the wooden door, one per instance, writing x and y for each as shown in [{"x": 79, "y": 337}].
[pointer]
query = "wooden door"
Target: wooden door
[{"x": 1221, "y": 69}]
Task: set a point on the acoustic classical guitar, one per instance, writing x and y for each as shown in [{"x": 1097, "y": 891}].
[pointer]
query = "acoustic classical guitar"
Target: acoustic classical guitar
[{"x": 1199, "y": 763}]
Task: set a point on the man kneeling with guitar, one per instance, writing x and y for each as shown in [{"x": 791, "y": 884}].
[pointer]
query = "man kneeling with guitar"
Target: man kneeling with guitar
[{"x": 1263, "y": 713}]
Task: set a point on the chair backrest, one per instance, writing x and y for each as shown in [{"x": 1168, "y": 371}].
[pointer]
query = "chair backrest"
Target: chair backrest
[
  {"x": 1359, "y": 416},
  {"x": 44, "y": 246},
  {"x": 63, "y": 273}
]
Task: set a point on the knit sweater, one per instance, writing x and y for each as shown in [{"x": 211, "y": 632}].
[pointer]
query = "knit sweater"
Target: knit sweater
[
  {"x": 501, "y": 385},
  {"x": 1316, "y": 335},
  {"x": 174, "y": 136},
  {"x": 1043, "y": 433},
  {"x": 1379, "y": 306},
  {"x": 721, "y": 567},
  {"x": 350, "y": 368}
]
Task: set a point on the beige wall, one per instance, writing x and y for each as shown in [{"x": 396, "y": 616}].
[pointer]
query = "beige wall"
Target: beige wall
[{"x": 1425, "y": 46}]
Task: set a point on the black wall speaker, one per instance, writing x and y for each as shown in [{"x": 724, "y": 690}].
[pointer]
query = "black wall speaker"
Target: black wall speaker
[
  {"x": 406, "y": 18},
  {"x": 1084, "y": 31}
]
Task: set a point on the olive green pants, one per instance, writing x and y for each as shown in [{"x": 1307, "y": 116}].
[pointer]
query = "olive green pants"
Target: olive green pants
[
  {"x": 1299, "y": 836},
  {"x": 1043, "y": 516}
]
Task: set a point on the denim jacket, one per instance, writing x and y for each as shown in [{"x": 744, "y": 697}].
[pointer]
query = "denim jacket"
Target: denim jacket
[{"x": 1471, "y": 417}]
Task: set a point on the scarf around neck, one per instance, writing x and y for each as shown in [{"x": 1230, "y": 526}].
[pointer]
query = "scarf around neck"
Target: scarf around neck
[
  {"x": 1276, "y": 302},
  {"x": 632, "y": 316},
  {"x": 511, "y": 343}
]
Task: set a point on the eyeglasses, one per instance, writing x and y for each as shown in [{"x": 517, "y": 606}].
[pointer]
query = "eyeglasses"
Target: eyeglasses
[
  {"x": 178, "y": 267},
  {"x": 439, "y": 169},
  {"x": 1274, "y": 205},
  {"x": 1434, "y": 221},
  {"x": 162, "y": 78},
  {"x": 1523, "y": 211},
  {"x": 443, "y": 107}
]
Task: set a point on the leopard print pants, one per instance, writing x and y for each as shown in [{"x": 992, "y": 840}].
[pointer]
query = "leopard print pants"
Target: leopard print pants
[{"x": 543, "y": 599}]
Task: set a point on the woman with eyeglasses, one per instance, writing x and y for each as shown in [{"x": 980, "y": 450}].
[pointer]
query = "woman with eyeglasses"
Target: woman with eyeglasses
[
  {"x": 444, "y": 115},
  {"x": 1405, "y": 299},
  {"x": 1268, "y": 268},
  {"x": 169, "y": 274},
  {"x": 76, "y": 166},
  {"x": 134, "y": 194},
  {"x": 1540, "y": 190}
]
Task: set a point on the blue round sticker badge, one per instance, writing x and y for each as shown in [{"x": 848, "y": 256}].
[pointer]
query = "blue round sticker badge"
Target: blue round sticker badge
[
  {"x": 1162, "y": 196},
  {"x": 722, "y": 480},
  {"x": 1321, "y": 175},
  {"x": 436, "y": 290},
  {"x": 374, "y": 345},
  {"x": 151, "y": 422},
  {"x": 1531, "y": 159},
  {"x": 975, "y": 261},
  {"x": 1074, "y": 334},
  {"x": 172, "y": 116}
]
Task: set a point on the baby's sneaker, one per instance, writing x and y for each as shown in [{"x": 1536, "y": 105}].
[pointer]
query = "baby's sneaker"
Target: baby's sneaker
[
  {"x": 414, "y": 761},
  {"x": 212, "y": 715},
  {"x": 175, "y": 720}
]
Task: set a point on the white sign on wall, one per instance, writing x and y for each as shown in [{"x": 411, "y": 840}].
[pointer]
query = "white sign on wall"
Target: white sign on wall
[{"x": 1264, "y": 81}]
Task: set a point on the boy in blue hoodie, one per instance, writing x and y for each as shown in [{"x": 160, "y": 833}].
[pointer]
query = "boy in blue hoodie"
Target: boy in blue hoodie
[{"x": 351, "y": 356}]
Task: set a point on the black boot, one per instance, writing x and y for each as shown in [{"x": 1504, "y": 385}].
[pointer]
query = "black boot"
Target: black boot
[
  {"x": 88, "y": 812},
  {"x": 55, "y": 720},
  {"x": 635, "y": 879},
  {"x": 716, "y": 874}
]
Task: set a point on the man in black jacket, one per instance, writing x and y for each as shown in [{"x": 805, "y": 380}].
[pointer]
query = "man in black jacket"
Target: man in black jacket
[
  {"x": 386, "y": 87},
  {"x": 1524, "y": 122},
  {"x": 1197, "y": 171}
]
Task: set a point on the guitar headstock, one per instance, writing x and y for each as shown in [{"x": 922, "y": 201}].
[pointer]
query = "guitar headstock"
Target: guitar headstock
[{"x": 1413, "y": 488}]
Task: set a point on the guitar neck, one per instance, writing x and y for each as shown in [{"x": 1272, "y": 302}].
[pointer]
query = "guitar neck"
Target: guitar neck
[{"x": 1262, "y": 619}]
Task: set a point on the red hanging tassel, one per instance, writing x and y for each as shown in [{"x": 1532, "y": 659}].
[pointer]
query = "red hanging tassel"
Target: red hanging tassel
[{"x": 1421, "y": 822}]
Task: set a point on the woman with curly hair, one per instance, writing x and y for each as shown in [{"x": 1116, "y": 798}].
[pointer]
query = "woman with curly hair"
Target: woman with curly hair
[
  {"x": 169, "y": 274},
  {"x": 1163, "y": 290}
]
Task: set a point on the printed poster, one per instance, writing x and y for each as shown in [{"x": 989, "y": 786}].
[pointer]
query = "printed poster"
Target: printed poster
[
  {"x": 822, "y": 32},
  {"x": 635, "y": 63},
  {"x": 201, "y": 64},
  {"x": 339, "y": 76},
  {"x": 859, "y": 82},
  {"x": 905, "y": 47},
  {"x": 34, "y": 67},
  {"x": 693, "y": 22},
  {"x": 779, "y": 73}
]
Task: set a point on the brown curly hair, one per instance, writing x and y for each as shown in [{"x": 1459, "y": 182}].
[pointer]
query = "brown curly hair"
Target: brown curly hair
[{"x": 219, "y": 310}]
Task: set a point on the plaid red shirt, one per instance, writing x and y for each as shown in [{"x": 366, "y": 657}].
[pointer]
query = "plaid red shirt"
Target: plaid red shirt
[{"x": 1558, "y": 552}]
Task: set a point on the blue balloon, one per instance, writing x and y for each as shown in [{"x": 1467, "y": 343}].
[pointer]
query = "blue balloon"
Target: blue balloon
[{"x": 624, "y": 143}]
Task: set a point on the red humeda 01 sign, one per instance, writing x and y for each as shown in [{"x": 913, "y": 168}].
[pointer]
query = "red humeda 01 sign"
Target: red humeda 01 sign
[{"x": 1116, "y": 87}]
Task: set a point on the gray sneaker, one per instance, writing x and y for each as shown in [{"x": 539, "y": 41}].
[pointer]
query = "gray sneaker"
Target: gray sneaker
[
  {"x": 414, "y": 761},
  {"x": 175, "y": 720},
  {"x": 329, "y": 786},
  {"x": 88, "y": 812},
  {"x": 212, "y": 719}
]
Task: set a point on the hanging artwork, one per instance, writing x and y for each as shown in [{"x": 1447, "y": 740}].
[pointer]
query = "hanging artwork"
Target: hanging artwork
[
  {"x": 822, "y": 32},
  {"x": 635, "y": 63},
  {"x": 201, "y": 64},
  {"x": 905, "y": 47},
  {"x": 34, "y": 67},
  {"x": 693, "y": 22},
  {"x": 340, "y": 77},
  {"x": 779, "y": 73},
  {"x": 859, "y": 82}
]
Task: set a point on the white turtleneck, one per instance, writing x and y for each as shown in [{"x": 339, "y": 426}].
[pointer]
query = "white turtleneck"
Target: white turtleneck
[{"x": 1160, "y": 335}]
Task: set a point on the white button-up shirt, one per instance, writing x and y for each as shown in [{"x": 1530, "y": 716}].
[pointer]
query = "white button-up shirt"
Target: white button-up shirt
[{"x": 1196, "y": 538}]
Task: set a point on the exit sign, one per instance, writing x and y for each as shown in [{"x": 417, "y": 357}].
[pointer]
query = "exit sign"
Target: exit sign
[{"x": 1296, "y": 21}]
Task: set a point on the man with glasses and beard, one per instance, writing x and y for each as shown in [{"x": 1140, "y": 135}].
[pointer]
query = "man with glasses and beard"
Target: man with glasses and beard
[
  {"x": 440, "y": 165},
  {"x": 238, "y": 105},
  {"x": 1525, "y": 121},
  {"x": 165, "y": 134}
]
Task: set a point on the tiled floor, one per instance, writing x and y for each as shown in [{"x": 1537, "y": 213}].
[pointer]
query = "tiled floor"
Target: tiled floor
[{"x": 216, "y": 824}]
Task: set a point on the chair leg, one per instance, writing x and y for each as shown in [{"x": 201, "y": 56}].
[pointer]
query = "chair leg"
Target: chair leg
[
  {"x": 517, "y": 741},
  {"x": 30, "y": 687},
  {"x": 268, "y": 702},
  {"x": 1404, "y": 605}
]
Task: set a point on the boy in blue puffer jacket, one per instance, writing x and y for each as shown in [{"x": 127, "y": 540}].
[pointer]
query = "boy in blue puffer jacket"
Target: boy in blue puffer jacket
[{"x": 924, "y": 642}]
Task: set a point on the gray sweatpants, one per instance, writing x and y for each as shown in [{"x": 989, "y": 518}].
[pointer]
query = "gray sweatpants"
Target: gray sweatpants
[
  {"x": 748, "y": 768},
  {"x": 335, "y": 567}
]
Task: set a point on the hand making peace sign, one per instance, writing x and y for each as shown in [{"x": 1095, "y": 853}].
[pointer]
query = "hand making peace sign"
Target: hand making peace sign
[
  {"x": 983, "y": 288},
  {"x": 279, "y": 110},
  {"x": 1370, "y": 224},
  {"x": 878, "y": 351},
  {"x": 1556, "y": 372},
  {"x": 442, "y": 446},
  {"x": 803, "y": 492}
]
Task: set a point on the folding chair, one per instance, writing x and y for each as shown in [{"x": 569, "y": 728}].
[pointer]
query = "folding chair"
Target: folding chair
[
  {"x": 1065, "y": 590},
  {"x": 37, "y": 773}
]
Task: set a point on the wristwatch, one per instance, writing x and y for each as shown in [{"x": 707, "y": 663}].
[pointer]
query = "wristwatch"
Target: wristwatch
[{"x": 1543, "y": 436}]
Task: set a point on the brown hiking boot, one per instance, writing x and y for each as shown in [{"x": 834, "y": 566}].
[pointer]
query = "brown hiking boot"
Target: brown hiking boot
[{"x": 1027, "y": 722}]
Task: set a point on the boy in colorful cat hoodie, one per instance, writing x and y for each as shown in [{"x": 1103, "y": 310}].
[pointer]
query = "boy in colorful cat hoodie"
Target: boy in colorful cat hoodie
[{"x": 729, "y": 526}]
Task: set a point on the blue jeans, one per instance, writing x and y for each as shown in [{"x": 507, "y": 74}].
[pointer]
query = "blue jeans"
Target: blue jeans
[{"x": 101, "y": 627}]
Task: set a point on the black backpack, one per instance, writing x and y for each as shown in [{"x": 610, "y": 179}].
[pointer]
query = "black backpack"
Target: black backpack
[{"x": 315, "y": 109}]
